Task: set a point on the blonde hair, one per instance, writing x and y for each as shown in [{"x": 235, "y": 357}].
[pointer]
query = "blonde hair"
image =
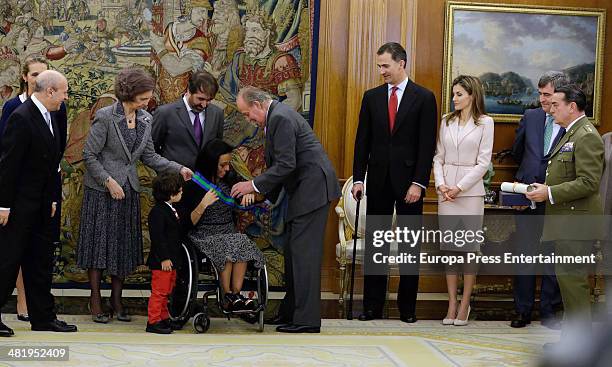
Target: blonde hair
[{"x": 473, "y": 87}]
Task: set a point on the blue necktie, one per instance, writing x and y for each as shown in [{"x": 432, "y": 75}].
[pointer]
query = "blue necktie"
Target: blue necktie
[{"x": 548, "y": 129}]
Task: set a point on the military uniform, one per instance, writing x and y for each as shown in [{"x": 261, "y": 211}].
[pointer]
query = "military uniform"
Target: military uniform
[{"x": 573, "y": 174}]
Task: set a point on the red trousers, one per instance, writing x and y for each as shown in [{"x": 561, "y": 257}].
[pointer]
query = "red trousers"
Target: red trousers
[{"x": 162, "y": 283}]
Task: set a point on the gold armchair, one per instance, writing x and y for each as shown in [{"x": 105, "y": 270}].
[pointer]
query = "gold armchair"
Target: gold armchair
[{"x": 346, "y": 210}]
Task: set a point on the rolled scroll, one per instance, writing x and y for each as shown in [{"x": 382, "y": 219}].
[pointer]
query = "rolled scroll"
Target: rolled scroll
[{"x": 516, "y": 187}]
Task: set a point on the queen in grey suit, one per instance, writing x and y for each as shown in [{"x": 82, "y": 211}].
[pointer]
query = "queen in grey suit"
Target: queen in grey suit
[
  {"x": 110, "y": 236},
  {"x": 297, "y": 162}
]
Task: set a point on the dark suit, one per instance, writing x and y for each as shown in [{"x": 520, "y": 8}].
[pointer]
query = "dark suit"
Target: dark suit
[
  {"x": 61, "y": 119},
  {"x": 394, "y": 160},
  {"x": 28, "y": 178},
  {"x": 165, "y": 231},
  {"x": 296, "y": 161},
  {"x": 528, "y": 151},
  {"x": 173, "y": 134}
]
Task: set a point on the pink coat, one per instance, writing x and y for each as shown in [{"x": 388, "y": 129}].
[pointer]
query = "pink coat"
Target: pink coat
[{"x": 464, "y": 159}]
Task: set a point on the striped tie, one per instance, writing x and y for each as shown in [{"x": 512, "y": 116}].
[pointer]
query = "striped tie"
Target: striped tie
[{"x": 548, "y": 129}]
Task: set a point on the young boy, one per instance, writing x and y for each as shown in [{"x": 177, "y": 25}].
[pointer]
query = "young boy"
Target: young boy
[{"x": 165, "y": 256}]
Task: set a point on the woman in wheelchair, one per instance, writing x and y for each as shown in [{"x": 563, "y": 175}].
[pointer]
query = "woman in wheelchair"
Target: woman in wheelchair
[{"x": 210, "y": 226}]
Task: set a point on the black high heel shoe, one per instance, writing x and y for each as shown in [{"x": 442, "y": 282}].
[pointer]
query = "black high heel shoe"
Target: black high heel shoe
[
  {"x": 121, "y": 316},
  {"x": 233, "y": 302},
  {"x": 100, "y": 318},
  {"x": 249, "y": 303},
  {"x": 23, "y": 317}
]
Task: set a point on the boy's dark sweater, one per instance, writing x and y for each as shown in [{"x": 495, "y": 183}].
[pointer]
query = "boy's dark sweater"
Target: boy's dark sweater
[{"x": 166, "y": 236}]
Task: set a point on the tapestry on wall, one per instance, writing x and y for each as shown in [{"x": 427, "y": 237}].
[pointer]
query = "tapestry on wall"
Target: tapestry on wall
[{"x": 265, "y": 43}]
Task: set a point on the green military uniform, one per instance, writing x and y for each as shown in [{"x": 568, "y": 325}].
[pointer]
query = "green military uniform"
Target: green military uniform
[{"x": 574, "y": 171}]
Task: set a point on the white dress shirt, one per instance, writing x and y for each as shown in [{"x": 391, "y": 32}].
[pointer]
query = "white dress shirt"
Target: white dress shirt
[
  {"x": 556, "y": 128},
  {"x": 192, "y": 113},
  {"x": 45, "y": 113}
]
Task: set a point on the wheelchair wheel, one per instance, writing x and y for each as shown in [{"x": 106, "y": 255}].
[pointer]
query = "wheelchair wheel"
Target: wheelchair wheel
[
  {"x": 201, "y": 323},
  {"x": 261, "y": 321},
  {"x": 186, "y": 287},
  {"x": 262, "y": 286},
  {"x": 262, "y": 295}
]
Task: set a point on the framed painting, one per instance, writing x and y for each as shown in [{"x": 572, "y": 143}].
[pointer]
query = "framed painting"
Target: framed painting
[{"x": 508, "y": 47}]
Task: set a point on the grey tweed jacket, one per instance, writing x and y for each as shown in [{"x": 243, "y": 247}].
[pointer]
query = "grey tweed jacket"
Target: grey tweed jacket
[{"x": 106, "y": 153}]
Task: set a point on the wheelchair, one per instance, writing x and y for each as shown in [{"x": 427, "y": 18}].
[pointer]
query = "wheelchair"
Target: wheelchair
[{"x": 198, "y": 273}]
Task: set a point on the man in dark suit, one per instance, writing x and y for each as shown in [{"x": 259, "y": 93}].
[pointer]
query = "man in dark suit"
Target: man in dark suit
[
  {"x": 296, "y": 161},
  {"x": 182, "y": 128},
  {"x": 395, "y": 144},
  {"x": 28, "y": 173},
  {"x": 535, "y": 137}
]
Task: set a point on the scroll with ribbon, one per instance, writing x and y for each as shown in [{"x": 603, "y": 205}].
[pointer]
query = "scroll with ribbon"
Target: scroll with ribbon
[
  {"x": 514, "y": 188},
  {"x": 224, "y": 198}
]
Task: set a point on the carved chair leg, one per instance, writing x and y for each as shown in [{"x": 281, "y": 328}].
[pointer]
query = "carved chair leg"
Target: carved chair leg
[{"x": 341, "y": 303}]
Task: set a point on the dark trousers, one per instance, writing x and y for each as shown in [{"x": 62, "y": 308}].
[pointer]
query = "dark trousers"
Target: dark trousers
[
  {"x": 162, "y": 283},
  {"x": 303, "y": 255},
  {"x": 529, "y": 224},
  {"x": 26, "y": 242},
  {"x": 375, "y": 286}
]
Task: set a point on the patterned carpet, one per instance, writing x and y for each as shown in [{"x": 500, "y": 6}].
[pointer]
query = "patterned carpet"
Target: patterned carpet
[{"x": 341, "y": 343}]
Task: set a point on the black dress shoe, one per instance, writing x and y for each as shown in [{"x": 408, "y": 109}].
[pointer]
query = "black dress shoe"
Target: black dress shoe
[
  {"x": 5, "y": 330},
  {"x": 521, "y": 321},
  {"x": 279, "y": 320},
  {"x": 369, "y": 315},
  {"x": 158, "y": 328},
  {"x": 551, "y": 323},
  {"x": 290, "y": 328},
  {"x": 173, "y": 325},
  {"x": 409, "y": 319},
  {"x": 55, "y": 325}
]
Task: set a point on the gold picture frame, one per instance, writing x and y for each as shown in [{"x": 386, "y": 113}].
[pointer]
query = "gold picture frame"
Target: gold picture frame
[{"x": 509, "y": 46}]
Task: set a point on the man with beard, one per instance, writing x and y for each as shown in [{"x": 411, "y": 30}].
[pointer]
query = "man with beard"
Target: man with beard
[
  {"x": 258, "y": 64},
  {"x": 180, "y": 129}
]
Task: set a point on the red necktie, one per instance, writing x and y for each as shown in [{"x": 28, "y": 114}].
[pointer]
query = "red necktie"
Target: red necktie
[{"x": 392, "y": 108}]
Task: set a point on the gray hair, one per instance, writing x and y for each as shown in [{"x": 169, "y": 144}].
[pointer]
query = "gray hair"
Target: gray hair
[
  {"x": 251, "y": 94},
  {"x": 556, "y": 78},
  {"x": 48, "y": 79}
]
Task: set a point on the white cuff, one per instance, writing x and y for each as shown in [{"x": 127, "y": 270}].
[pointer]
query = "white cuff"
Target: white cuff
[
  {"x": 550, "y": 196},
  {"x": 255, "y": 187},
  {"x": 419, "y": 185},
  {"x": 9, "y": 209}
]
